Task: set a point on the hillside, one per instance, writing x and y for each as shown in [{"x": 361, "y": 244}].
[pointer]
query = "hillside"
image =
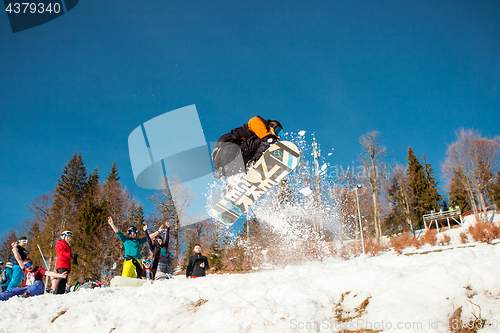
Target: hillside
[{"x": 390, "y": 292}]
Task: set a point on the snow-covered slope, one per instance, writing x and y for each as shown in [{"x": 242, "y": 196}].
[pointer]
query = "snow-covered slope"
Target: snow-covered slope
[{"x": 416, "y": 293}]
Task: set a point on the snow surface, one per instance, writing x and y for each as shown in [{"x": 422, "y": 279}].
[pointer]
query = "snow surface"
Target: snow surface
[{"x": 405, "y": 293}]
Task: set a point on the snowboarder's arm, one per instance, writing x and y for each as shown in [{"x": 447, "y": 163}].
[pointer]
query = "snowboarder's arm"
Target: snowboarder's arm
[
  {"x": 56, "y": 275},
  {"x": 16, "y": 254},
  {"x": 148, "y": 238},
  {"x": 258, "y": 127},
  {"x": 110, "y": 222}
]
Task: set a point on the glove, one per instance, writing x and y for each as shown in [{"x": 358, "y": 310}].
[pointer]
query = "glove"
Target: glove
[
  {"x": 270, "y": 139},
  {"x": 265, "y": 143},
  {"x": 74, "y": 257}
]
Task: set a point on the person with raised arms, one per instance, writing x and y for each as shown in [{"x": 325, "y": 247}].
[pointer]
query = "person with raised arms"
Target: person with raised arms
[
  {"x": 33, "y": 278},
  {"x": 132, "y": 258}
]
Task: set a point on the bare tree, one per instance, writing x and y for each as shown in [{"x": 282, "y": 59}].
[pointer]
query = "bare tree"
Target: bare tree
[
  {"x": 172, "y": 202},
  {"x": 5, "y": 248},
  {"x": 347, "y": 203},
  {"x": 372, "y": 155},
  {"x": 401, "y": 195},
  {"x": 475, "y": 160}
]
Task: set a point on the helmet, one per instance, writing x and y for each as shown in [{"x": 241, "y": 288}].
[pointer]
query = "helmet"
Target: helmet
[
  {"x": 8, "y": 264},
  {"x": 132, "y": 230},
  {"x": 1, "y": 263},
  {"x": 277, "y": 128},
  {"x": 66, "y": 233}
]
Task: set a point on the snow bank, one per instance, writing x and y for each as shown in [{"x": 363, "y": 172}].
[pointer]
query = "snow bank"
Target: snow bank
[{"x": 415, "y": 293}]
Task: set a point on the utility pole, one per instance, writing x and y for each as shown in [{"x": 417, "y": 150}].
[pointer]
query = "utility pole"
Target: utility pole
[
  {"x": 317, "y": 155},
  {"x": 359, "y": 219}
]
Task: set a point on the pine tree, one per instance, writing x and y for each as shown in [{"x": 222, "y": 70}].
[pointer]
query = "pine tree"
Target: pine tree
[
  {"x": 457, "y": 194},
  {"x": 113, "y": 174},
  {"x": 92, "y": 185},
  {"x": 215, "y": 255},
  {"x": 495, "y": 192},
  {"x": 418, "y": 187},
  {"x": 72, "y": 183},
  {"x": 400, "y": 197},
  {"x": 89, "y": 239},
  {"x": 432, "y": 199}
]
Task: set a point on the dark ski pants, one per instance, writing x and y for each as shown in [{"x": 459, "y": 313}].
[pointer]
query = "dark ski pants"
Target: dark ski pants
[{"x": 61, "y": 283}]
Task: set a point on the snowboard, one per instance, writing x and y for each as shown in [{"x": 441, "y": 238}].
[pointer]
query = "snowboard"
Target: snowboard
[
  {"x": 276, "y": 162},
  {"x": 123, "y": 281}
]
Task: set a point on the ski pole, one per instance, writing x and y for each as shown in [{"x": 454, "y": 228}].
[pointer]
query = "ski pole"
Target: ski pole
[{"x": 46, "y": 266}]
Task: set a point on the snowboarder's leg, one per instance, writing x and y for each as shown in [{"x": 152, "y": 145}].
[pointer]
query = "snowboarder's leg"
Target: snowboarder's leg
[
  {"x": 17, "y": 276},
  {"x": 129, "y": 269},
  {"x": 227, "y": 159}
]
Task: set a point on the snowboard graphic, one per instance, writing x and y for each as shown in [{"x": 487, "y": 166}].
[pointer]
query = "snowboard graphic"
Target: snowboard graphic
[{"x": 276, "y": 162}]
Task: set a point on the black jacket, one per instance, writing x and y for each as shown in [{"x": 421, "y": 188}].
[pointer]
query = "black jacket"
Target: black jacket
[
  {"x": 247, "y": 140},
  {"x": 193, "y": 266}
]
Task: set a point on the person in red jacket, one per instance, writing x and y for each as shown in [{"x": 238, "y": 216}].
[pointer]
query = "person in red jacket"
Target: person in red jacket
[
  {"x": 249, "y": 141},
  {"x": 63, "y": 263}
]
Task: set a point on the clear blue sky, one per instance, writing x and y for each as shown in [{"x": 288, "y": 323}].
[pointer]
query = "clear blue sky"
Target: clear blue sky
[{"x": 415, "y": 71}]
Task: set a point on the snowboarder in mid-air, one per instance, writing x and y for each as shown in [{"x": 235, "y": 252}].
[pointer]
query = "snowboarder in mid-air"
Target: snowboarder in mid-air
[{"x": 250, "y": 140}]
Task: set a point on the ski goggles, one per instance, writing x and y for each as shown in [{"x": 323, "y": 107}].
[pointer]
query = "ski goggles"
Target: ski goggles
[
  {"x": 146, "y": 262},
  {"x": 28, "y": 265},
  {"x": 23, "y": 242},
  {"x": 278, "y": 131}
]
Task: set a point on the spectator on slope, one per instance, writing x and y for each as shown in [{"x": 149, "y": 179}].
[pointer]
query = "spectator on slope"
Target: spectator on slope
[
  {"x": 197, "y": 264},
  {"x": 162, "y": 266},
  {"x": 146, "y": 273},
  {"x": 8, "y": 275},
  {"x": 63, "y": 263},
  {"x": 253, "y": 139},
  {"x": 17, "y": 271},
  {"x": 33, "y": 276},
  {"x": 132, "y": 244}
]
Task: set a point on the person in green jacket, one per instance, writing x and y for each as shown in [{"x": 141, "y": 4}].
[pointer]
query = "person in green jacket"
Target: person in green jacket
[{"x": 132, "y": 258}]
